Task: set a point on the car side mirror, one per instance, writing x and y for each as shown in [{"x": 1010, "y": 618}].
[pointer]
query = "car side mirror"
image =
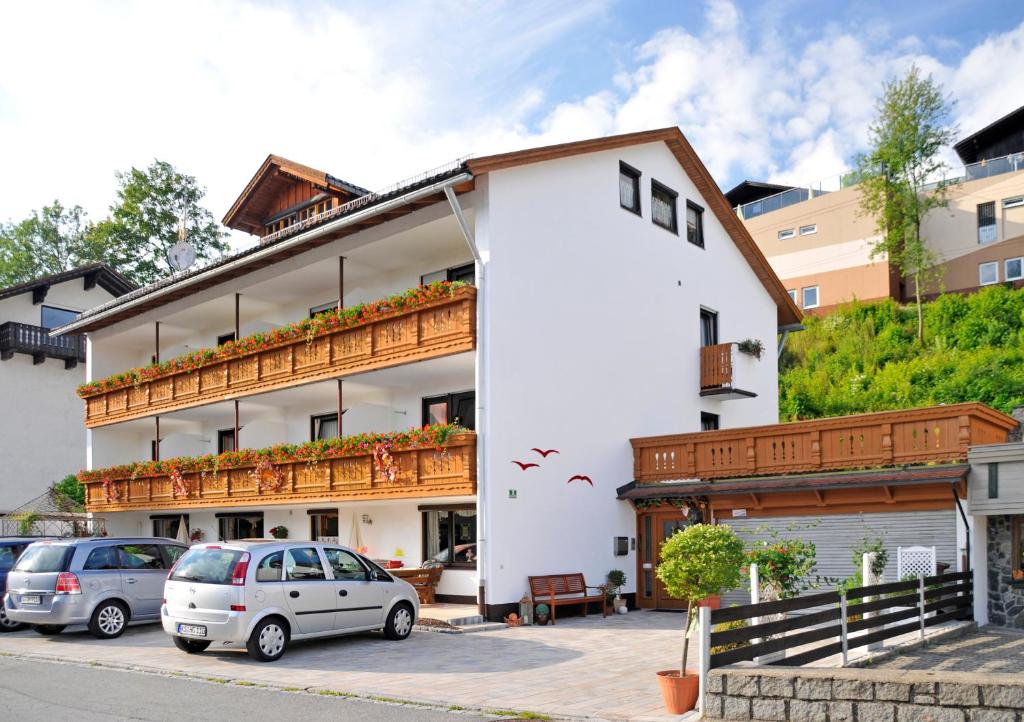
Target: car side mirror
[{"x": 379, "y": 576}]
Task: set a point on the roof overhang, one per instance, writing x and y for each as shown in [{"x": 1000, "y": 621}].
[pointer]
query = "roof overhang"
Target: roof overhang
[
  {"x": 181, "y": 285},
  {"x": 901, "y": 476}
]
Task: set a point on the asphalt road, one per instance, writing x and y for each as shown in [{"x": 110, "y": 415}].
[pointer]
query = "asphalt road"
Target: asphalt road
[{"x": 42, "y": 690}]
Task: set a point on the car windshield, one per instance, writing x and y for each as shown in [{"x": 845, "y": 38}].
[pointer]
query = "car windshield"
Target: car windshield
[
  {"x": 44, "y": 558},
  {"x": 206, "y": 566}
]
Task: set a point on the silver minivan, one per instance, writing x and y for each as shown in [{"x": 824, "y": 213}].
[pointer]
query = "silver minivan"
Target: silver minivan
[
  {"x": 265, "y": 593},
  {"x": 103, "y": 582}
]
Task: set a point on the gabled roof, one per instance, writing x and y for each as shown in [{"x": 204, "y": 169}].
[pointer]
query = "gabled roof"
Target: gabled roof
[
  {"x": 95, "y": 274},
  {"x": 970, "y": 147},
  {"x": 673, "y": 137},
  {"x": 248, "y": 211},
  {"x": 410, "y": 195}
]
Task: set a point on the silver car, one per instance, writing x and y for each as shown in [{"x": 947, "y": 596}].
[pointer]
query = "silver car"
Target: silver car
[
  {"x": 265, "y": 594},
  {"x": 102, "y": 582}
]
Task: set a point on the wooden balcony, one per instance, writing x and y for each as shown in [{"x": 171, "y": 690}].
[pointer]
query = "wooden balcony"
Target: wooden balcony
[
  {"x": 439, "y": 328},
  {"x": 422, "y": 472},
  {"x": 36, "y": 341},
  {"x": 890, "y": 438},
  {"x": 723, "y": 372}
]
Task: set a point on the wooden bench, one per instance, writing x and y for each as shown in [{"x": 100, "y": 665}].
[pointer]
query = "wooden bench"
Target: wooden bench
[
  {"x": 560, "y": 589},
  {"x": 424, "y": 581}
]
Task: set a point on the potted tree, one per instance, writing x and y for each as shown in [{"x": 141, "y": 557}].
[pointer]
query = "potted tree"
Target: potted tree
[
  {"x": 696, "y": 563},
  {"x": 616, "y": 580}
]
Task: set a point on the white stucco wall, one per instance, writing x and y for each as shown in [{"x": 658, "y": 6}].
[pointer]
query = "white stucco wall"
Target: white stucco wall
[
  {"x": 592, "y": 338},
  {"x": 42, "y": 435}
]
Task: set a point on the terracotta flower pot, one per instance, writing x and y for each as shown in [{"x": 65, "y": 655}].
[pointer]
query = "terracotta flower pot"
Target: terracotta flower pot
[
  {"x": 679, "y": 693},
  {"x": 713, "y": 601}
]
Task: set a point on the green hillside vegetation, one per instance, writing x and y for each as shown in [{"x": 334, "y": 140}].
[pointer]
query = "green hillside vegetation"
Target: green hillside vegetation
[{"x": 865, "y": 356}]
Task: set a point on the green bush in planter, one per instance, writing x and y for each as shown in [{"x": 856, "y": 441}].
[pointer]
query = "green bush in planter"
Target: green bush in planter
[{"x": 699, "y": 561}]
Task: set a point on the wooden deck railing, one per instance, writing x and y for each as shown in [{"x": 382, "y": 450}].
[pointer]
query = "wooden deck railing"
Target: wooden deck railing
[
  {"x": 35, "y": 340},
  {"x": 449, "y": 471},
  {"x": 716, "y": 366},
  {"x": 934, "y": 434},
  {"x": 440, "y": 328}
]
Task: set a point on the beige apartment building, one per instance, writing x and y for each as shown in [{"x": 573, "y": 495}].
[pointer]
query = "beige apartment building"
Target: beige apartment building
[{"x": 820, "y": 244}]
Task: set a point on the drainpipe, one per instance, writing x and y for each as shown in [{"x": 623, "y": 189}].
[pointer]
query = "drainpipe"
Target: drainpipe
[
  {"x": 482, "y": 515},
  {"x": 785, "y": 334}
]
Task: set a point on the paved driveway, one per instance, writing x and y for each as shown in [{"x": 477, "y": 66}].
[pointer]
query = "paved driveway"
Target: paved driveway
[
  {"x": 989, "y": 651},
  {"x": 583, "y": 667}
]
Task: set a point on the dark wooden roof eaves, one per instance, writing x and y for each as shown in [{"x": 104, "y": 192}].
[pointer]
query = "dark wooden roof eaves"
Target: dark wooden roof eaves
[
  {"x": 787, "y": 314},
  {"x": 896, "y": 476},
  {"x": 106, "y": 278},
  {"x": 967, "y": 148},
  {"x": 749, "y": 191},
  {"x": 285, "y": 253}
]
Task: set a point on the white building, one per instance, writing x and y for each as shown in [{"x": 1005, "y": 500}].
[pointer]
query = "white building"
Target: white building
[
  {"x": 600, "y": 268},
  {"x": 41, "y": 433}
]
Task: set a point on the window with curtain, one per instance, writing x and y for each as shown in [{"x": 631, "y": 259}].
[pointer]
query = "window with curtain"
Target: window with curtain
[
  {"x": 324, "y": 426},
  {"x": 629, "y": 188},
  {"x": 225, "y": 440},
  {"x": 694, "y": 224},
  {"x": 240, "y": 526},
  {"x": 450, "y": 537},
  {"x": 663, "y": 206},
  {"x": 167, "y": 526}
]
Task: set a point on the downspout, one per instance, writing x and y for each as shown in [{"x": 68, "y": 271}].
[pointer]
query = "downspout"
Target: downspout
[
  {"x": 483, "y": 516},
  {"x": 785, "y": 334}
]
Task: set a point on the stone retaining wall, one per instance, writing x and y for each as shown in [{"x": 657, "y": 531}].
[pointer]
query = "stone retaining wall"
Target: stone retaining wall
[{"x": 863, "y": 695}]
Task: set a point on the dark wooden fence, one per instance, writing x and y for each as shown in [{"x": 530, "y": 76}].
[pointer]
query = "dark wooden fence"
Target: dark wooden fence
[{"x": 860, "y": 617}]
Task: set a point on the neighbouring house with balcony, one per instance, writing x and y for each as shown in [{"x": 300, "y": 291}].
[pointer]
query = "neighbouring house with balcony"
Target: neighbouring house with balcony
[
  {"x": 526, "y": 314},
  {"x": 819, "y": 243},
  {"x": 41, "y": 429}
]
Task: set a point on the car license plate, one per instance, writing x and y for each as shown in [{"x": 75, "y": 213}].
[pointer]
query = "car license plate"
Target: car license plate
[
  {"x": 31, "y": 599},
  {"x": 192, "y": 630}
]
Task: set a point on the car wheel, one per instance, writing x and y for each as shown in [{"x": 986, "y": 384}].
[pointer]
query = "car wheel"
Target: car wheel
[
  {"x": 6, "y": 623},
  {"x": 48, "y": 629},
  {"x": 399, "y": 622},
  {"x": 109, "y": 620},
  {"x": 268, "y": 640},
  {"x": 191, "y": 646}
]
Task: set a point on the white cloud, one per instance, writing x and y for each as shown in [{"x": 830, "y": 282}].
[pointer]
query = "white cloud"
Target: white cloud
[{"x": 376, "y": 94}]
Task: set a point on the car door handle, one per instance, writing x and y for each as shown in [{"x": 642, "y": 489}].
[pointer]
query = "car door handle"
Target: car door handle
[
  {"x": 293, "y": 595},
  {"x": 343, "y": 593},
  {"x": 130, "y": 580}
]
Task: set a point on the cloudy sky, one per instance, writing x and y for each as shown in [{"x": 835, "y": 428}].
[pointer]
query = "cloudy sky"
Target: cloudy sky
[{"x": 375, "y": 92}]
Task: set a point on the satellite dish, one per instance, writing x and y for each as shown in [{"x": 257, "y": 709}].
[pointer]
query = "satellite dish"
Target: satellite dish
[{"x": 181, "y": 256}]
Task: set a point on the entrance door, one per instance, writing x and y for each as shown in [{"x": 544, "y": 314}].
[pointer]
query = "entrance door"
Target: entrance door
[{"x": 653, "y": 529}]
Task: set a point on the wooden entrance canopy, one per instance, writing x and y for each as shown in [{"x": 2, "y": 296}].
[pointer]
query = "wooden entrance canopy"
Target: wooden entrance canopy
[{"x": 920, "y": 488}]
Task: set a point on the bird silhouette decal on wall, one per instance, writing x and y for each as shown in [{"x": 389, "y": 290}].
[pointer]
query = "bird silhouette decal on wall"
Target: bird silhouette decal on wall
[
  {"x": 544, "y": 452},
  {"x": 580, "y": 477},
  {"x": 524, "y": 465}
]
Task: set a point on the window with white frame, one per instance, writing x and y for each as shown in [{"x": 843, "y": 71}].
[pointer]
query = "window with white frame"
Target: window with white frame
[
  {"x": 1013, "y": 202},
  {"x": 1014, "y": 269},
  {"x": 809, "y": 230},
  {"x": 786, "y": 234},
  {"x": 810, "y": 297},
  {"x": 792, "y": 294},
  {"x": 988, "y": 273}
]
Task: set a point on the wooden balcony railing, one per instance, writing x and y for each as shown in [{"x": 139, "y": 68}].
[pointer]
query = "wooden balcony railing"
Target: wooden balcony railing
[
  {"x": 36, "y": 341},
  {"x": 716, "y": 366},
  {"x": 915, "y": 436},
  {"x": 439, "y": 328},
  {"x": 422, "y": 472}
]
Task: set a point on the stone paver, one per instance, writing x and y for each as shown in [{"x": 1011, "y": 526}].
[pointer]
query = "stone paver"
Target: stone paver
[
  {"x": 583, "y": 667},
  {"x": 989, "y": 650}
]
